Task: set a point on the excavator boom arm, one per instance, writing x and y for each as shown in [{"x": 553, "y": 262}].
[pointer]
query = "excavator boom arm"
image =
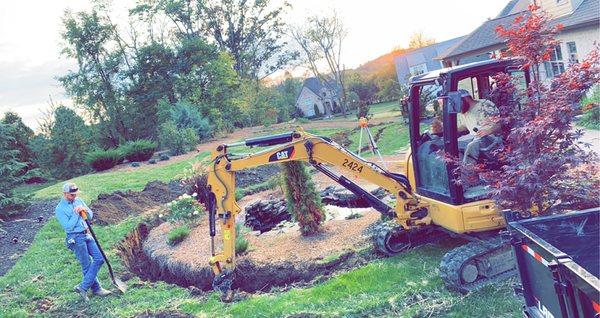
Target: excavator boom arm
[{"x": 298, "y": 146}]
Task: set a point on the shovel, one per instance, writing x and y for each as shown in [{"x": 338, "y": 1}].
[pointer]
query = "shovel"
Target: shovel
[{"x": 117, "y": 282}]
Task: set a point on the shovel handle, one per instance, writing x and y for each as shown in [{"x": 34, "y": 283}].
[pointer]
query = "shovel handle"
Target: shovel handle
[{"x": 110, "y": 270}]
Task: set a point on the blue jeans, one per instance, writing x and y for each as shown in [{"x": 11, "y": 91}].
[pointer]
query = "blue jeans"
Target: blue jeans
[{"x": 90, "y": 258}]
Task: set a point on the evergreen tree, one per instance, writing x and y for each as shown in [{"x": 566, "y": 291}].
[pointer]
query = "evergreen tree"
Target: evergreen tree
[
  {"x": 21, "y": 135},
  {"x": 10, "y": 172},
  {"x": 68, "y": 144},
  {"x": 303, "y": 201}
]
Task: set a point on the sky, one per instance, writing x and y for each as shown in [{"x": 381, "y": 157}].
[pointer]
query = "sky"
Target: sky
[{"x": 30, "y": 43}]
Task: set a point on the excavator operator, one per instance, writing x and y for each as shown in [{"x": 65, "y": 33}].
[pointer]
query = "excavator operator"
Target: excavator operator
[{"x": 474, "y": 119}]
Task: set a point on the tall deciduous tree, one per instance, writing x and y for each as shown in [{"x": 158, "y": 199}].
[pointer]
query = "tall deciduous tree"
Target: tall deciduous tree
[
  {"x": 418, "y": 40},
  {"x": 544, "y": 164},
  {"x": 251, "y": 32},
  {"x": 154, "y": 73},
  {"x": 94, "y": 85},
  {"x": 321, "y": 39}
]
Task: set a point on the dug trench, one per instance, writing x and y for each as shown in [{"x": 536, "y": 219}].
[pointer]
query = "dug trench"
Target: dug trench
[{"x": 278, "y": 258}]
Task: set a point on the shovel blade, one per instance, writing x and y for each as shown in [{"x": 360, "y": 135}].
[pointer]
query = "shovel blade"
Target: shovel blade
[{"x": 121, "y": 286}]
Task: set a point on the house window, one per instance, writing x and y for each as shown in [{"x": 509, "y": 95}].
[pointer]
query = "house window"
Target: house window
[
  {"x": 572, "y": 48},
  {"x": 555, "y": 66},
  {"x": 418, "y": 69}
]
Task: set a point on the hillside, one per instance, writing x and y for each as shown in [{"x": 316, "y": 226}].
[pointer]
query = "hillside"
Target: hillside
[{"x": 383, "y": 64}]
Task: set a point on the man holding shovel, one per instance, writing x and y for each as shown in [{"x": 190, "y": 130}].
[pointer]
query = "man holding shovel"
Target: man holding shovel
[{"x": 71, "y": 213}]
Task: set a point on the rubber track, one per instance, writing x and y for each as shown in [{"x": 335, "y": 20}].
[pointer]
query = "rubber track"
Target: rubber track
[
  {"x": 453, "y": 261},
  {"x": 379, "y": 235}
]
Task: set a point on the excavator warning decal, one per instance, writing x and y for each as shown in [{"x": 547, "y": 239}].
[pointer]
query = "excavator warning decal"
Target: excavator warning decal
[{"x": 287, "y": 153}]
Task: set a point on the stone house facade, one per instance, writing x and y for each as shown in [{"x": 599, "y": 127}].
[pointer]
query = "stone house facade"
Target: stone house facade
[{"x": 317, "y": 98}]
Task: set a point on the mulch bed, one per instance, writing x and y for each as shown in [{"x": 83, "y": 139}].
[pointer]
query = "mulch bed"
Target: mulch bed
[{"x": 276, "y": 258}]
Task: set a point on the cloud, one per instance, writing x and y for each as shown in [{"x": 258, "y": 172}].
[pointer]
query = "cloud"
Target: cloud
[{"x": 27, "y": 89}]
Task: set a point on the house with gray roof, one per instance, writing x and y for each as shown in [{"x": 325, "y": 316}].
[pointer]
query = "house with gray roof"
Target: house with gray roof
[
  {"x": 421, "y": 60},
  {"x": 580, "y": 19},
  {"x": 318, "y": 98}
]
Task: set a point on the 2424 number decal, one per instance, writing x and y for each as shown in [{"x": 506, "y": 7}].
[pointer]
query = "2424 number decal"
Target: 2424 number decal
[{"x": 352, "y": 165}]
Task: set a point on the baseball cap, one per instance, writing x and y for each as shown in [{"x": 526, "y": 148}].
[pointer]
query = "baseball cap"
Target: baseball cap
[
  {"x": 70, "y": 187},
  {"x": 464, "y": 93}
]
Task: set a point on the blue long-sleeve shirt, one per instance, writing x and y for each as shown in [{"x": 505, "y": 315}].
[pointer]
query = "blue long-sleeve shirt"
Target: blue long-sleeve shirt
[{"x": 70, "y": 220}]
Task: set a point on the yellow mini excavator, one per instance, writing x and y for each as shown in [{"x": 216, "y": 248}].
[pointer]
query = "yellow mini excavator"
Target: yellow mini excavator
[{"x": 429, "y": 203}]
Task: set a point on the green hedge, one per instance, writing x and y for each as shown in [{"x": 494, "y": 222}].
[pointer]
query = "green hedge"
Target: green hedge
[
  {"x": 101, "y": 160},
  {"x": 139, "y": 150}
]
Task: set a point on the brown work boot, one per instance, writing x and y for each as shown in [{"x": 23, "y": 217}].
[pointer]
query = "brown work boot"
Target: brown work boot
[
  {"x": 102, "y": 292},
  {"x": 82, "y": 293}
]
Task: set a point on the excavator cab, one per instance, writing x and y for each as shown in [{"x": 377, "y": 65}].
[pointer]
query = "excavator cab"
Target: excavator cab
[{"x": 433, "y": 175}]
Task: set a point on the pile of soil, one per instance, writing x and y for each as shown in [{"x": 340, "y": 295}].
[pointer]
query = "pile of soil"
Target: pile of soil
[
  {"x": 257, "y": 175},
  {"x": 17, "y": 232},
  {"x": 115, "y": 207},
  {"x": 276, "y": 258}
]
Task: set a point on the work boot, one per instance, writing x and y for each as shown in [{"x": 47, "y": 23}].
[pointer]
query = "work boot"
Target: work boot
[
  {"x": 102, "y": 292},
  {"x": 82, "y": 293}
]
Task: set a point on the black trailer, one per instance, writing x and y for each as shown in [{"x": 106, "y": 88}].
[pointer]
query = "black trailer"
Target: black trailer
[{"x": 559, "y": 263}]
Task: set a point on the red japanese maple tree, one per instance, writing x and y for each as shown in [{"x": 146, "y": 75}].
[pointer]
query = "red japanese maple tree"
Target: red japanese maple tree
[{"x": 543, "y": 164}]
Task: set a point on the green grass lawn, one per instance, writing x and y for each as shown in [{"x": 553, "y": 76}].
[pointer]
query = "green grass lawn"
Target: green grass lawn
[
  {"x": 393, "y": 138},
  {"x": 385, "y": 110},
  {"x": 380, "y": 110}
]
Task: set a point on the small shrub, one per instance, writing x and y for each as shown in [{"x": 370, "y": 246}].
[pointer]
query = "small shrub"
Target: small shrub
[
  {"x": 186, "y": 208},
  {"x": 101, "y": 160},
  {"x": 178, "y": 141},
  {"x": 241, "y": 243},
  {"x": 186, "y": 115},
  {"x": 354, "y": 215},
  {"x": 178, "y": 234},
  {"x": 139, "y": 150}
]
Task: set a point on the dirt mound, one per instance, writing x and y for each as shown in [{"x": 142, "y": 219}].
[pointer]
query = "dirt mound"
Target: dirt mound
[
  {"x": 277, "y": 258},
  {"x": 115, "y": 207},
  {"x": 248, "y": 177}
]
